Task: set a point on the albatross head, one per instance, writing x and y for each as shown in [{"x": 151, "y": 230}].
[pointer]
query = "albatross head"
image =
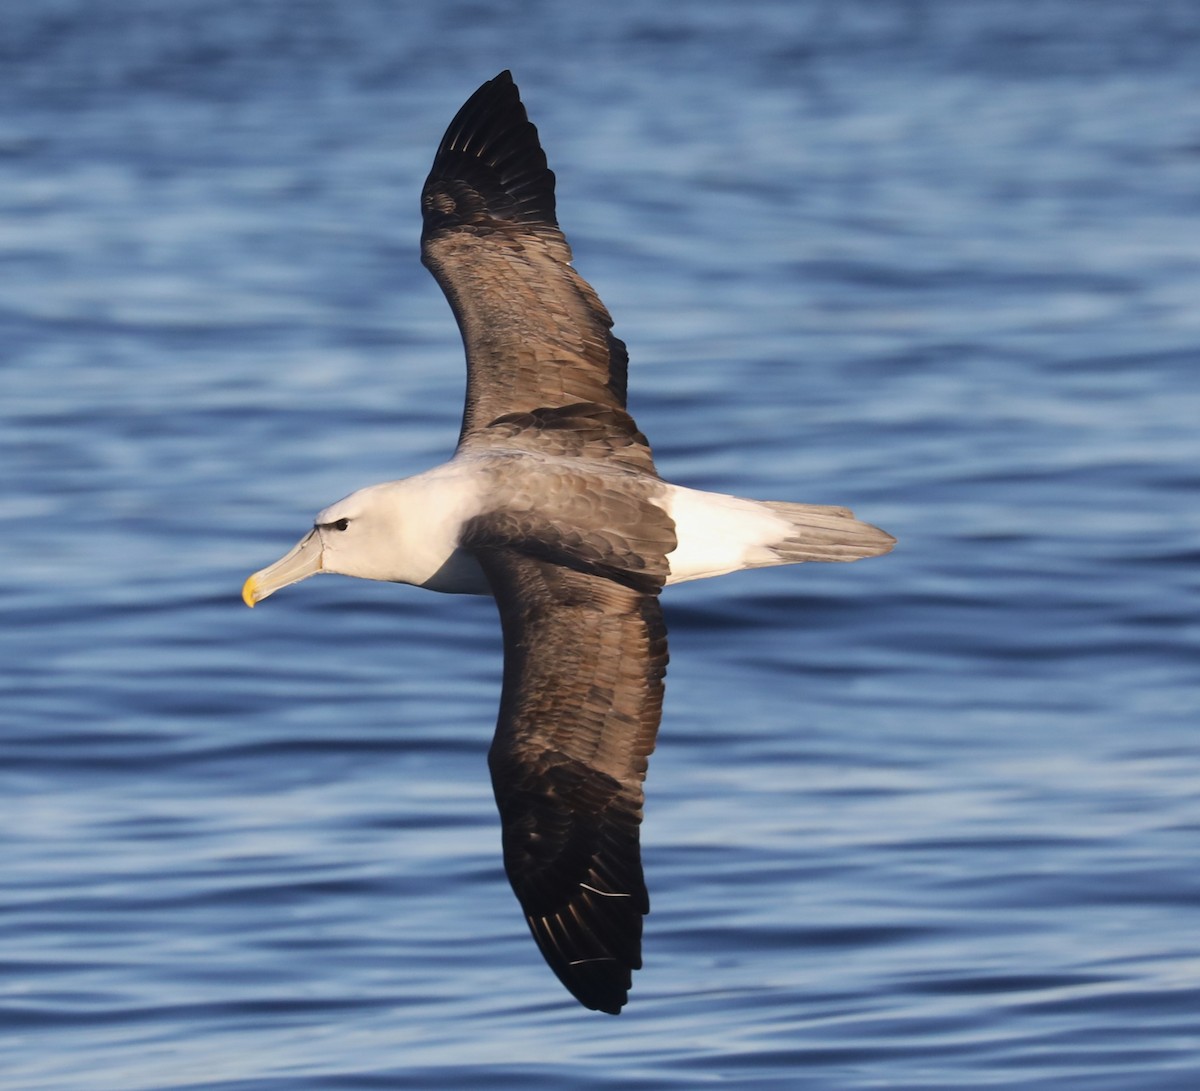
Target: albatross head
[
  {"x": 357, "y": 536},
  {"x": 401, "y": 531}
]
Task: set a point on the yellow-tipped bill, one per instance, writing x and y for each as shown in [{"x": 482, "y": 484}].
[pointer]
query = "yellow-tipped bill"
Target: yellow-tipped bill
[{"x": 302, "y": 561}]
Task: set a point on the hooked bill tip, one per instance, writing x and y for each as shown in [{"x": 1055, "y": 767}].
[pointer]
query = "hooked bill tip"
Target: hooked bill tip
[{"x": 249, "y": 593}]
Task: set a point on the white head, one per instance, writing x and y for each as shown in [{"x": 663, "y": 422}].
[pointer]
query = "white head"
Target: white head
[
  {"x": 361, "y": 535},
  {"x": 401, "y": 531}
]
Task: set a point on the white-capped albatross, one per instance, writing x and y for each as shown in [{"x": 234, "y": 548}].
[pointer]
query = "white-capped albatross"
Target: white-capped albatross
[{"x": 552, "y": 504}]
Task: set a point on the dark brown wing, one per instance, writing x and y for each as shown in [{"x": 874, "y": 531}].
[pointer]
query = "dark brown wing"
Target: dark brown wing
[
  {"x": 584, "y": 661},
  {"x": 535, "y": 332}
]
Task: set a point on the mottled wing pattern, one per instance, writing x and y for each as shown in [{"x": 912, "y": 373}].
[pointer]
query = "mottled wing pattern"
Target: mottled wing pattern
[
  {"x": 535, "y": 332},
  {"x": 586, "y": 430},
  {"x": 584, "y": 663},
  {"x": 581, "y": 516}
]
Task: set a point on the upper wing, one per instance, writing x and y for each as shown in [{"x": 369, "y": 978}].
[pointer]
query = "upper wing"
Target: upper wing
[
  {"x": 584, "y": 661},
  {"x": 535, "y": 332}
]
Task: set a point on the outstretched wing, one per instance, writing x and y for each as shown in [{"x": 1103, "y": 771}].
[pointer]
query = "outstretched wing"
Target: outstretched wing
[
  {"x": 535, "y": 332},
  {"x": 584, "y": 662}
]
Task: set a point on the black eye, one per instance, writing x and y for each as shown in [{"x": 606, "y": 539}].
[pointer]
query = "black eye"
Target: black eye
[{"x": 341, "y": 524}]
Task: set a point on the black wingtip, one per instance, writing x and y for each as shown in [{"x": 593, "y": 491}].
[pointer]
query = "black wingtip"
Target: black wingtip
[
  {"x": 594, "y": 942},
  {"x": 599, "y": 981},
  {"x": 490, "y": 166}
]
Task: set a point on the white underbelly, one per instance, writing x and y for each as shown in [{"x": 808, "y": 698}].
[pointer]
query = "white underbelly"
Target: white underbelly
[{"x": 459, "y": 574}]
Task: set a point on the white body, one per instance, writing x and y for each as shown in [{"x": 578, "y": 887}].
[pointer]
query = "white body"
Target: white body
[{"x": 408, "y": 531}]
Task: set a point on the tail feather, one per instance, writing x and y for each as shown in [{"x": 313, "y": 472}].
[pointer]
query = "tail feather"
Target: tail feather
[
  {"x": 821, "y": 533},
  {"x": 716, "y": 534}
]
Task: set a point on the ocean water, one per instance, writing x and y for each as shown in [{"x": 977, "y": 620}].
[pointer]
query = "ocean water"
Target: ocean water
[{"x": 928, "y": 821}]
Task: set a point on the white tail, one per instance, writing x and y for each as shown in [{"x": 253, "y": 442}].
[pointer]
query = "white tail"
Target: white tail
[{"x": 719, "y": 534}]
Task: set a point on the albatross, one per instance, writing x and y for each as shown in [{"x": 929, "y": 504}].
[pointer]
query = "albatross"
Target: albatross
[{"x": 552, "y": 504}]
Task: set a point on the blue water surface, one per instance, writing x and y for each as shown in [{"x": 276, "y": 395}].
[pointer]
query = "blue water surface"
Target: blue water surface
[{"x": 926, "y": 822}]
